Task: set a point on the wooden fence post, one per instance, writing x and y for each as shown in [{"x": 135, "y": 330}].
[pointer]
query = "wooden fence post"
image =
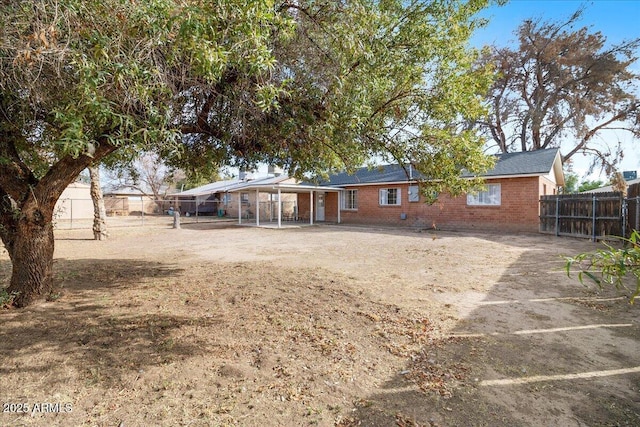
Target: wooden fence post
[
  {"x": 557, "y": 215},
  {"x": 593, "y": 219}
]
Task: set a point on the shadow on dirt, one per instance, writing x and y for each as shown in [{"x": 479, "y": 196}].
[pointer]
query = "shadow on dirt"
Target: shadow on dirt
[
  {"x": 102, "y": 339},
  {"x": 538, "y": 349}
]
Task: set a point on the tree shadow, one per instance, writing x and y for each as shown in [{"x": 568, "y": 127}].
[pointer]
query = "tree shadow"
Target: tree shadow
[
  {"x": 103, "y": 341},
  {"x": 511, "y": 359},
  {"x": 83, "y": 274}
]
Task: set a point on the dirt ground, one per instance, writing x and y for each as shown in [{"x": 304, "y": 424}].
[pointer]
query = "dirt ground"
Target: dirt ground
[{"x": 216, "y": 325}]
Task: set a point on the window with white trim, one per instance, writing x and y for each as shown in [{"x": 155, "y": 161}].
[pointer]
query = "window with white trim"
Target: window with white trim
[
  {"x": 350, "y": 200},
  {"x": 244, "y": 198},
  {"x": 389, "y": 197},
  {"x": 490, "y": 196},
  {"x": 414, "y": 193}
]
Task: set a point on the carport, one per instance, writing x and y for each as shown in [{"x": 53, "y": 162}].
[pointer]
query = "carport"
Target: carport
[{"x": 316, "y": 197}]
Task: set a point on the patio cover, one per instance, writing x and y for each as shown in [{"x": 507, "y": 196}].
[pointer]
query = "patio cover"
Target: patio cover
[{"x": 279, "y": 185}]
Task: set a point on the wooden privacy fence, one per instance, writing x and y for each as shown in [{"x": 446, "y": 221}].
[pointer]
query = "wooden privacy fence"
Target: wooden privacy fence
[{"x": 593, "y": 215}]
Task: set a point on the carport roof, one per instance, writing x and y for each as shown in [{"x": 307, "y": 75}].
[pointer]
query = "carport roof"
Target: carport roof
[{"x": 229, "y": 186}]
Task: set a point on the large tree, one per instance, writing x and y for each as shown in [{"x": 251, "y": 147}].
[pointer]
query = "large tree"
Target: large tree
[
  {"x": 313, "y": 86},
  {"x": 563, "y": 84}
]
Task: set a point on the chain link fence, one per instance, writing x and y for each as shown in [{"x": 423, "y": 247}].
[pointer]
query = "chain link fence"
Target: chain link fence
[
  {"x": 135, "y": 212},
  {"x": 142, "y": 211}
]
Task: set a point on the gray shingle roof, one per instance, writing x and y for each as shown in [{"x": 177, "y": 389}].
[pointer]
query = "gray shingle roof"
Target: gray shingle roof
[{"x": 537, "y": 162}]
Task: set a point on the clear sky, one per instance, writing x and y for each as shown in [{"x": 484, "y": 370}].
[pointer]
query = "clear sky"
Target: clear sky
[{"x": 617, "y": 20}]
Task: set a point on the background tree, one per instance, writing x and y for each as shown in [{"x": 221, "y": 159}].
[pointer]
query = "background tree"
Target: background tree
[
  {"x": 147, "y": 173},
  {"x": 312, "y": 86},
  {"x": 563, "y": 84},
  {"x": 590, "y": 185},
  {"x": 570, "y": 182},
  {"x": 99, "y": 211}
]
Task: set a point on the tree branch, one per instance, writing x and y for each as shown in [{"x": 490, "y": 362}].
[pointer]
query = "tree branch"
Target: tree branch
[
  {"x": 65, "y": 171},
  {"x": 584, "y": 141}
]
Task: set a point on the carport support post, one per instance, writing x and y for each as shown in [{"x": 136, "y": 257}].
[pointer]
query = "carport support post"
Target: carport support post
[
  {"x": 257, "y": 208},
  {"x": 312, "y": 195},
  {"x": 239, "y": 209},
  {"x": 340, "y": 205},
  {"x": 279, "y": 209}
]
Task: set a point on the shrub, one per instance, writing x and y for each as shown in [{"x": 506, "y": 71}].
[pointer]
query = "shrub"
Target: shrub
[{"x": 611, "y": 266}]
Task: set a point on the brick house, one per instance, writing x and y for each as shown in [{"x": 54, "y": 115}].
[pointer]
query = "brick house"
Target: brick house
[{"x": 387, "y": 196}]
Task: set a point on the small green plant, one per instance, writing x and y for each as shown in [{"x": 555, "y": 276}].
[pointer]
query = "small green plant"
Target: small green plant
[
  {"x": 610, "y": 266},
  {"x": 54, "y": 296},
  {"x": 7, "y": 298}
]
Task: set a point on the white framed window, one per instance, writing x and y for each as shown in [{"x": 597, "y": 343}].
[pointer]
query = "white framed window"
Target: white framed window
[
  {"x": 414, "y": 193},
  {"x": 244, "y": 198},
  {"x": 389, "y": 197},
  {"x": 490, "y": 196},
  {"x": 350, "y": 200}
]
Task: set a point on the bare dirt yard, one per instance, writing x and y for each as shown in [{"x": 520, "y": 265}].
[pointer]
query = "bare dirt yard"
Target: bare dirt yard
[{"x": 217, "y": 324}]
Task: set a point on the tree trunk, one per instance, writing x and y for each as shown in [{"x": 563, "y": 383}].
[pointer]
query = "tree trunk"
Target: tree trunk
[
  {"x": 99, "y": 211},
  {"x": 31, "y": 252},
  {"x": 176, "y": 218}
]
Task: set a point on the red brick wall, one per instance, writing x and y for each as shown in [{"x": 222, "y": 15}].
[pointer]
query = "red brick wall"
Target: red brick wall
[
  {"x": 303, "y": 205},
  {"x": 330, "y": 206},
  {"x": 518, "y": 211}
]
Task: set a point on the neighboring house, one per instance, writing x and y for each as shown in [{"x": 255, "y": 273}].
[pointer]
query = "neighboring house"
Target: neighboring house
[
  {"x": 609, "y": 188},
  {"x": 510, "y": 201},
  {"x": 129, "y": 200},
  {"x": 75, "y": 202}
]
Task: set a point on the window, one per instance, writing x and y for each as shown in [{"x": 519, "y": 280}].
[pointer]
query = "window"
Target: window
[
  {"x": 490, "y": 196},
  {"x": 389, "y": 197},
  {"x": 350, "y": 200},
  {"x": 414, "y": 193},
  {"x": 244, "y": 197}
]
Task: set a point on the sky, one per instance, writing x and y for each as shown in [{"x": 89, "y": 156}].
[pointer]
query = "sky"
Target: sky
[{"x": 617, "y": 20}]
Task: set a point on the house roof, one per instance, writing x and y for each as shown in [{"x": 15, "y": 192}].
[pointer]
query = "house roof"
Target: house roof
[
  {"x": 609, "y": 188},
  {"x": 532, "y": 163},
  {"x": 539, "y": 162},
  {"x": 126, "y": 190},
  {"x": 230, "y": 186}
]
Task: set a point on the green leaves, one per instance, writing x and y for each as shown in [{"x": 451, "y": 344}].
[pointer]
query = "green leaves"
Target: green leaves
[
  {"x": 313, "y": 86},
  {"x": 611, "y": 266}
]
